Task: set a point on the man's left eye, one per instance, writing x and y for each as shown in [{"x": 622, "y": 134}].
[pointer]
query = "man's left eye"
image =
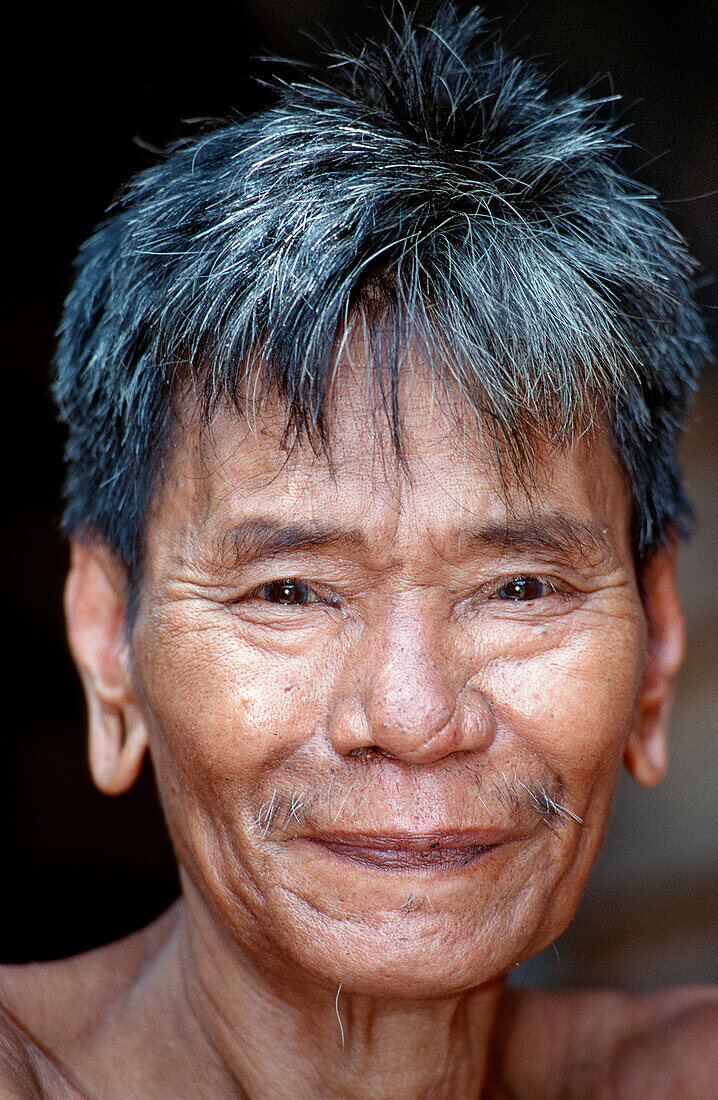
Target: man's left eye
[
  {"x": 288, "y": 593},
  {"x": 521, "y": 589}
]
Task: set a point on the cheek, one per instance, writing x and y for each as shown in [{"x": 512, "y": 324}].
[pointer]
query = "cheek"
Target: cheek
[
  {"x": 569, "y": 700},
  {"x": 222, "y": 710},
  {"x": 572, "y": 700},
  {"x": 223, "y": 719}
]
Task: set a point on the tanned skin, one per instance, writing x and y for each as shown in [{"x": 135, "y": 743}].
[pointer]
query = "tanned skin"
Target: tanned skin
[
  {"x": 386, "y": 706},
  {"x": 582, "y": 1044}
]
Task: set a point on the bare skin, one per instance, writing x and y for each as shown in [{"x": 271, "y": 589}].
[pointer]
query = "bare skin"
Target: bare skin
[
  {"x": 593, "y": 1044},
  {"x": 386, "y": 707}
]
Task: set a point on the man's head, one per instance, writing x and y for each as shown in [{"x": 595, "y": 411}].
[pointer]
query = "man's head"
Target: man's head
[
  {"x": 433, "y": 189},
  {"x": 380, "y": 391}
]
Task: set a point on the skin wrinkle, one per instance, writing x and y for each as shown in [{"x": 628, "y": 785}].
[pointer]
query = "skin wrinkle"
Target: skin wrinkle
[
  {"x": 408, "y": 445},
  {"x": 200, "y": 1019},
  {"x": 210, "y": 851},
  {"x": 422, "y": 703},
  {"x": 575, "y": 855},
  {"x": 297, "y": 809},
  {"x": 389, "y": 456}
]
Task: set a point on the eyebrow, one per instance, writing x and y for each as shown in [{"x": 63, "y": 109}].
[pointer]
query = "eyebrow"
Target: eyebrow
[
  {"x": 261, "y": 539},
  {"x": 555, "y": 533}
]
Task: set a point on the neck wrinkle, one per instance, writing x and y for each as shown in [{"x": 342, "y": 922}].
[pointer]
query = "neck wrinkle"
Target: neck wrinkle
[{"x": 293, "y": 1046}]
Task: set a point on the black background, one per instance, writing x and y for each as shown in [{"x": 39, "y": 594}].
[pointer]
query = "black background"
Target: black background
[{"x": 86, "y": 94}]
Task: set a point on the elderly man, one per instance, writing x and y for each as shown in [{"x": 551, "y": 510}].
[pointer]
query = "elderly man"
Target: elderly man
[{"x": 372, "y": 405}]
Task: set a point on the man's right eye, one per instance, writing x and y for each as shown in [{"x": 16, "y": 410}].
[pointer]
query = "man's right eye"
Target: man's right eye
[{"x": 288, "y": 593}]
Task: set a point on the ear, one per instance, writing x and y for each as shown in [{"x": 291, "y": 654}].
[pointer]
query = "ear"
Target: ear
[
  {"x": 95, "y": 609},
  {"x": 646, "y": 751}
]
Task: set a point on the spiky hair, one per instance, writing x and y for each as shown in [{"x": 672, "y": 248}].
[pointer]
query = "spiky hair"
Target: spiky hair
[{"x": 433, "y": 186}]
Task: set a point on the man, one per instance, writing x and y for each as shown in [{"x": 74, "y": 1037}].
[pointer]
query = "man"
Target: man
[{"x": 372, "y": 405}]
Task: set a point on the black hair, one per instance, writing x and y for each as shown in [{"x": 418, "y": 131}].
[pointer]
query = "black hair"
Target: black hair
[{"x": 432, "y": 179}]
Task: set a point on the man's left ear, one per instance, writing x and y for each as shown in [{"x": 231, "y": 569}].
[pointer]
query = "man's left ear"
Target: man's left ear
[{"x": 646, "y": 751}]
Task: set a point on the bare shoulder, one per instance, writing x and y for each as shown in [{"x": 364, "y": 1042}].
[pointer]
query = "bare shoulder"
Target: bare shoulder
[
  {"x": 609, "y": 1044},
  {"x": 46, "y": 1007},
  {"x": 30, "y": 995},
  {"x": 669, "y": 1045},
  {"x": 26, "y": 1072}
]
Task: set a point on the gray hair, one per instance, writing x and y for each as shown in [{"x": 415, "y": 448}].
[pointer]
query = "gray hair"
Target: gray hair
[{"x": 433, "y": 186}]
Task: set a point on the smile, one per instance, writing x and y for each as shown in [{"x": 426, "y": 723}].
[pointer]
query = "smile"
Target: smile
[{"x": 409, "y": 853}]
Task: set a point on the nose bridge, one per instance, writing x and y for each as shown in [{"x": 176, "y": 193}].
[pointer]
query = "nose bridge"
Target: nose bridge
[{"x": 410, "y": 689}]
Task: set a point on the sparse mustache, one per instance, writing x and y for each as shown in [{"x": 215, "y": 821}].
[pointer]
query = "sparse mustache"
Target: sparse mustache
[{"x": 496, "y": 793}]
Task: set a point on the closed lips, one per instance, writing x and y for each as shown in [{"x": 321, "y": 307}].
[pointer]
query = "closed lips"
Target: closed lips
[{"x": 411, "y": 852}]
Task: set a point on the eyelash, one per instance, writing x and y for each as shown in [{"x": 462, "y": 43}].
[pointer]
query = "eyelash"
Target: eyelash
[
  {"x": 293, "y": 582},
  {"x": 546, "y": 587}
]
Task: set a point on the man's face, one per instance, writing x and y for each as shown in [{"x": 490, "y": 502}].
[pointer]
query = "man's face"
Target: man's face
[{"x": 386, "y": 704}]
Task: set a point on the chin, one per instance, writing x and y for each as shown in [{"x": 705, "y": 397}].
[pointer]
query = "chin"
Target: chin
[
  {"x": 419, "y": 974},
  {"x": 408, "y": 956}
]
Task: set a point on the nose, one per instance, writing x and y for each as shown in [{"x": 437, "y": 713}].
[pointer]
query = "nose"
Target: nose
[{"x": 409, "y": 694}]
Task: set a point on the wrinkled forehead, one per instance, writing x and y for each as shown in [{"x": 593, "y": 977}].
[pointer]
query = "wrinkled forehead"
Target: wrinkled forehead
[
  {"x": 447, "y": 468},
  {"x": 367, "y": 439},
  {"x": 396, "y": 389}
]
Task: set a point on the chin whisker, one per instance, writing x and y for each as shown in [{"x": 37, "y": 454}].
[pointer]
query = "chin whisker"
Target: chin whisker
[
  {"x": 360, "y": 807},
  {"x": 563, "y": 811},
  {"x": 343, "y": 802},
  {"x": 267, "y": 814},
  {"x": 548, "y": 807},
  {"x": 296, "y": 810},
  {"x": 479, "y": 781},
  {"x": 336, "y": 1009}
]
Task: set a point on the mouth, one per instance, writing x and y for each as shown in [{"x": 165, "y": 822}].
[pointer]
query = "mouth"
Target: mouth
[{"x": 403, "y": 852}]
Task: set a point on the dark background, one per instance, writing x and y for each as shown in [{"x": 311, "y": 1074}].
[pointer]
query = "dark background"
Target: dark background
[{"x": 88, "y": 95}]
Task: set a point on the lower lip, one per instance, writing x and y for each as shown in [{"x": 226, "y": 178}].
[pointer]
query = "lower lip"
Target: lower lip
[{"x": 429, "y": 860}]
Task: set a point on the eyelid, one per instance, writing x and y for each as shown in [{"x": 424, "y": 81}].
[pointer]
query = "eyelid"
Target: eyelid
[
  {"x": 314, "y": 591},
  {"x": 553, "y": 585},
  {"x": 521, "y": 578}
]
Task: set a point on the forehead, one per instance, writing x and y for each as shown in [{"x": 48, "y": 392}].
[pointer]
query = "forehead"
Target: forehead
[{"x": 450, "y": 474}]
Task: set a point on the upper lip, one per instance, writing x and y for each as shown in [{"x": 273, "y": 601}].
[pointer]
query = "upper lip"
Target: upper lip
[{"x": 417, "y": 842}]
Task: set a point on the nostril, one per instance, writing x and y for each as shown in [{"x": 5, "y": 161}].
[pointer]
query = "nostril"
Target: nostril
[{"x": 367, "y": 751}]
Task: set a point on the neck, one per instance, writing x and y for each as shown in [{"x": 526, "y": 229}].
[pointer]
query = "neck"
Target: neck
[{"x": 285, "y": 1035}]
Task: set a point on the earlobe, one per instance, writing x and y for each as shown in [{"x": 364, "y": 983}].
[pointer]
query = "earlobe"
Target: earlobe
[
  {"x": 646, "y": 751},
  {"x": 95, "y": 609}
]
